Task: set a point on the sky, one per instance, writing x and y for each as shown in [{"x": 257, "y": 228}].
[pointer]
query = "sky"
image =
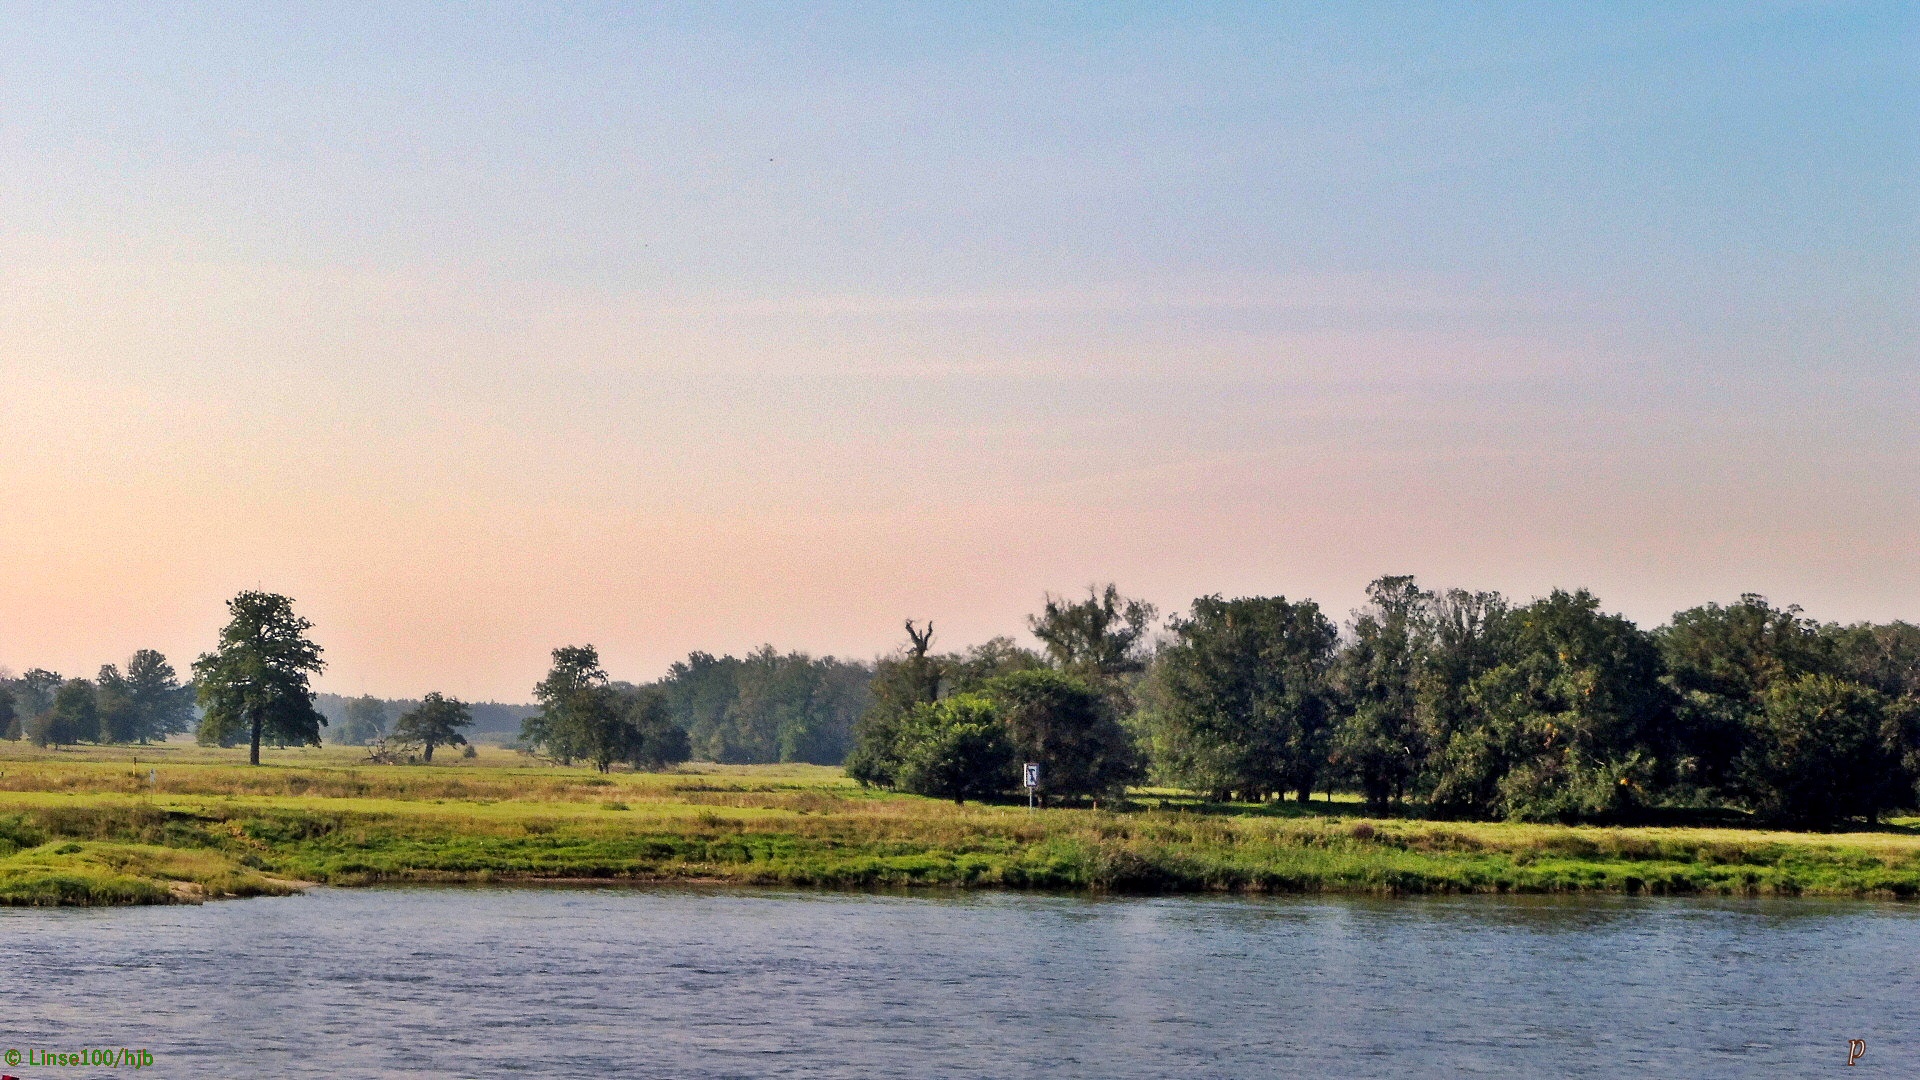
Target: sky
[{"x": 480, "y": 329}]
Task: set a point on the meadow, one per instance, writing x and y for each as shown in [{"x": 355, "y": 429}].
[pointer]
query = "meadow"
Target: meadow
[{"x": 182, "y": 823}]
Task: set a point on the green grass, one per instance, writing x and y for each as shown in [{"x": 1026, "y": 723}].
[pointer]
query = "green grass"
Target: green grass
[{"x": 186, "y": 823}]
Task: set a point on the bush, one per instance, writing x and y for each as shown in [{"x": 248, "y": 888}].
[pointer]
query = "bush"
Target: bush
[
  {"x": 1822, "y": 750},
  {"x": 956, "y": 749}
]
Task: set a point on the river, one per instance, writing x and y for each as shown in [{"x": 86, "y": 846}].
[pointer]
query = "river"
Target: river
[{"x": 707, "y": 982}]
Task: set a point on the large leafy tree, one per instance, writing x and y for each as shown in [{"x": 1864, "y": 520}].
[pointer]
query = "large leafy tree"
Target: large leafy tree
[
  {"x": 255, "y": 684},
  {"x": 33, "y": 692},
  {"x": 956, "y": 748},
  {"x": 1103, "y": 635},
  {"x": 161, "y": 706},
  {"x": 1067, "y": 727},
  {"x": 1721, "y": 661},
  {"x": 436, "y": 721},
  {"x": 74, "y": 716},
  {"x": 119, "y": 719},
  {"x": 1572, "y": 724},
  {"x": 1243, "y": 699},
  {"x": 1824, "y": 749},
  {"x": 579, "y": 713},
  {"x": 901, "y": 683},
  {"x": 1469, "y": 634},
  {"x": 650, "y": 738},
  {"x": 364, "y": 720},
  {"x": 1378, "y": 742}
]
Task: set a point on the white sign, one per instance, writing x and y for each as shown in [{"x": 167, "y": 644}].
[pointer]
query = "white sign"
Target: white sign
[{"x": 1033, "y": 775}]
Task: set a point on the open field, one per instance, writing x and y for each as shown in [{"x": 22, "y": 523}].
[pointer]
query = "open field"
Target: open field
[{"x": 181, "y": 823}]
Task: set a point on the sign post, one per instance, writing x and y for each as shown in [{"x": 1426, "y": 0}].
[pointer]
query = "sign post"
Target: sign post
[{"x": 1033, "y": 781}]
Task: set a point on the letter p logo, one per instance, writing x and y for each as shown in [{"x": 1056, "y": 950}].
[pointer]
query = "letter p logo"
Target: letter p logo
[{"x": 1856, "y": 1049}]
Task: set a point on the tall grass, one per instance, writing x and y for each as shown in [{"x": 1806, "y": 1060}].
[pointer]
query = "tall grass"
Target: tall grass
[{"x": 89, "y": 828}]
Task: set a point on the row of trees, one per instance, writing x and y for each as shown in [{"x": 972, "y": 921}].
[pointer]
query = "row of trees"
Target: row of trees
[
  {"x": 359, "y": 721},
  {"x": 766, "y": 706},
  {"x": 1450, "y": 703},
  {"x": 143, "y": 703},
  {"x": 960, "y": 725},
  {"x": 585, "y": 717}
]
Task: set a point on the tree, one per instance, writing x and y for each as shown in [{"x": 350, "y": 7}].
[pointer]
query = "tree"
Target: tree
[
  {"x": 33, "y": 692},
  {"x": 1378, "y": 740},
  {"x": 1469, "y": 634},
  {"x": 73, "y": 717},
  {"x": 162, "y": 707},
  {"x": 700, "y": 692},
  {"x": 1573, "y": 724},
  {"x": 1068, "y": 728},
  {"x": 1105, "y": 634},
  {"x": 1825, "y": 749},
  {"x": 1243, "y": 696},
  {"x": 364, "y": 720},
  {"x": 579, "y": 713},
  {"x": 119, "y": 714},
  {"x": 255, "y": 683},
  {"x": 1885, "y": 656},
  {"x": 901, "y": 684},
  {"x": 956, "y": 748},
  {"x": 652, "y": 740},
  {"x": 1721, "y": 661},
  {"x": 436, "y": 721},
  {"x": 967, "y": 672}
]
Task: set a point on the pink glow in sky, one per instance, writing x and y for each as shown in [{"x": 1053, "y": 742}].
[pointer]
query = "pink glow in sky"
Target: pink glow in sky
[{"x": 480, "y": 337}]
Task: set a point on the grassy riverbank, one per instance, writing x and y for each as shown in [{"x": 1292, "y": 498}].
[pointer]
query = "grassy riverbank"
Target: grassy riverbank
[{"x": 153, "y": 825}]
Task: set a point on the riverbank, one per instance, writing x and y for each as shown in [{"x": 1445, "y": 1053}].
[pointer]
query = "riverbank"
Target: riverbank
[{"x": 174, "y": 824}]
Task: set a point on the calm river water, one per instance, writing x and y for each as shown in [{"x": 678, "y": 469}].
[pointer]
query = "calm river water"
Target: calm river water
[{"x": 694, "y": 982}]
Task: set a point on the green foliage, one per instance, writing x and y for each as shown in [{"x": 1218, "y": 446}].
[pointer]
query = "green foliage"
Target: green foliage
[
  {"x": 1068, "y": 728},
  {"x": 365, "y": 720},
  {"x": 956, "y": 748},
  {"x": 161, "y": 706},
  {"x": 74, "y": 716},
  {"x": 33, "y": 699},
  {"x": 1825, "y": 749},
  {"x": 1378, "y": 743},
  {"x": 1105, "y": 634},
  {"x": 968, "y": 672},
  {"x": 583, "y": 716},
  {"x": 1721, "y": 661},
  {"x": 435, "y": 722},
  {"x": 767, "y": 707},
  {"x": 578, "y": 710},
  {"x": 255, "y": 683},
  {"x": 1243, "y": 696},
  {"x": 1571, "y": 724},
  {"x": 119, "y": 719},
  {"x": 653, "y": 740},
  {"x": 1885, "y": 657},
  {"x": 901, "y": 684}
]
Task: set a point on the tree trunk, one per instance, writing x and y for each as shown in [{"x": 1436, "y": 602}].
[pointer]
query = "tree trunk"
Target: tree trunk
[
  {"x": 429, "y": 753},
  {"x": 253, "y": 755}
]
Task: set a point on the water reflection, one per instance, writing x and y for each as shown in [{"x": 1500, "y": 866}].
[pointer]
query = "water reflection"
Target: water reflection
[{"x": 717, "y": 982}]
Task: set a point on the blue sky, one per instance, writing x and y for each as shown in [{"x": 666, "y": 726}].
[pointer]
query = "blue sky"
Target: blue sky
[{"x": 482, "y": 328}]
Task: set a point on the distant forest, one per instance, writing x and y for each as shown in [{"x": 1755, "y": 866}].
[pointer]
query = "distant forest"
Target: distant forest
[
  {"x": 766, "y": 707},
  {"x": 1442, "y": 702},
  {"x": 489, "y": 717}
]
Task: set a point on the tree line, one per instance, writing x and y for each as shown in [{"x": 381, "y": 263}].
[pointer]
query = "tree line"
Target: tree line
[
  {"x": 1445, "y": 703},
  {"x": 365, "y": 719},
  {"x": 143, "y": 703}
]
